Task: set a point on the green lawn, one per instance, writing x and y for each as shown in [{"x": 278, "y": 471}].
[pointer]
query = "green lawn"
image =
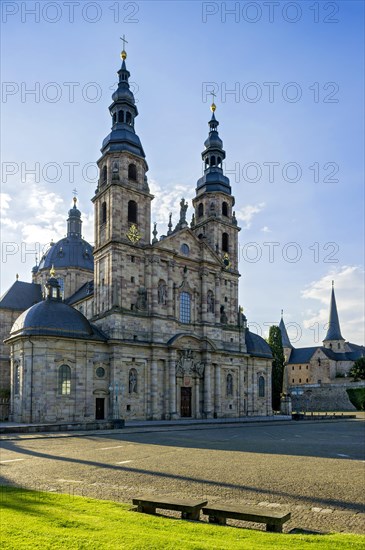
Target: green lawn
[{"x": 47, "y": 520}]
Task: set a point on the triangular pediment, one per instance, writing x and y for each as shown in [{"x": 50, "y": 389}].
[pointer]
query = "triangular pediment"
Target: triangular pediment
[{"x": 198, "y": 250}]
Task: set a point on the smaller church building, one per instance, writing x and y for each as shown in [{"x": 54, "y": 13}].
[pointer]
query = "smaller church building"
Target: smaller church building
[{"x": 317, "y": 377}]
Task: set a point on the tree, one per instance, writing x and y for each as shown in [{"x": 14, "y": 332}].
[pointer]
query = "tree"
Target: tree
[
  {"x": 277, "y": 372},
  {"x": 357, "y": 371}
]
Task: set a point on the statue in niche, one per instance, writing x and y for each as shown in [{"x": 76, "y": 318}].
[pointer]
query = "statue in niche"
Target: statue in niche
[
  {"x": 210, "y": 301},
  {"x": 142, "y": 298},
  {"x": 133, "y": 381},
  {"x": 162, "y": 293},
  {"x": 224, "y": 318}
]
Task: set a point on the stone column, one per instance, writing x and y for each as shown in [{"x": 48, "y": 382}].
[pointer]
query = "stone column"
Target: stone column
[
  {"x": 204, "y": 305},
  {"x": 241, "y": 391},
  {"x": 148, "y": 282},
  {"x": 154, "y": 283},
  {"x": 197, "y": 398},
  {"x": 170, "y": 290},
  {"x": 154, "y": 390},
  {"x": 172, "y": 384},
  {"x": 217, "y": 303},
  {"x": 207, "y": 386},
  {"x": 217, "y": 391}
]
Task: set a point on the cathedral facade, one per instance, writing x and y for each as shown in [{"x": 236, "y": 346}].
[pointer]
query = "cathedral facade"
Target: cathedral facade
[{"x": 140, "y": 326}]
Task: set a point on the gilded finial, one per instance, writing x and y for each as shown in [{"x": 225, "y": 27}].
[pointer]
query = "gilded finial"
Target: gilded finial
[
  {"x": 123, "y": 55},
  {"x": 333, "y": 284},
  {"x": 52, "y": 271},
  {"x": 75, "y": 196},
  {"x": 282, "y": 313},
  {"x": 17, "y": 276},
  {"x": 213, "y": 105}
]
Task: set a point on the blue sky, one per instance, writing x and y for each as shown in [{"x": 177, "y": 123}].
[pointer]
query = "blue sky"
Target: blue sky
[{"x": 297, "y": 73}]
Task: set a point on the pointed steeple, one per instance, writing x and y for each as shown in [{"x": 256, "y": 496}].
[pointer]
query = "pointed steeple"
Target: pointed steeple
[
  {"x": 213, "y": 157},
  {"x": 123, "y": 111},
  {"x": 284, "y": 335},
  {"x": 334, "y": 331},
  {"x": 74, "y": 221}
]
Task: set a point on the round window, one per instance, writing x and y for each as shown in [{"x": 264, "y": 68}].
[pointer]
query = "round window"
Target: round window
[{"x": 100, "y": 372}]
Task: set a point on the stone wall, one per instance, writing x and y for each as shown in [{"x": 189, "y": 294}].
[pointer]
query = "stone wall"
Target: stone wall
[{"x": 325, "y": 397}]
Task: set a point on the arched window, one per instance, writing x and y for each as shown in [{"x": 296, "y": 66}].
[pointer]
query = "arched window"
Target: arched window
[
  {"x": 114, "y": 118},
  {"x": 184, "y": 307},
  {"x": 132, "y": 172},
  {"x": 229, "y": 385},
  {"x": 261, "y": 386},
  {"x": 200, "y": 210},
  {"x": 225, "y": 242},
  {"x": 219, "y": 162},
  {"x": 105, "y": 174},
  {"x": 133, "y": 381},
  {"x": 64, "y": 380},
  {"x": 224, "y": 209},
  {"x": 212, "y": 160},
  {"x": 103, "y": 213},
  {"x": 132, "y": 211},
  {"x": 210, "y": 301},
  {"x": 128, "y": 118},
  {"x": 61, "y": 282},
  {"x": 120, "y": 116},
  {"x": 16, "y": 380},
  {"x": 206, "y": 163}
]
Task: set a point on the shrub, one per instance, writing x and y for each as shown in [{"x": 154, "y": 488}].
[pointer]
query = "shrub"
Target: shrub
[{"x": 357, "y": 397}]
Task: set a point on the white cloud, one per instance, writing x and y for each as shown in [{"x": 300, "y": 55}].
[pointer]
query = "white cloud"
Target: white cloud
[
  {"x": 266, "y": 229},
  {"x": 166, "y": 201},
  {"x": 247, "y": 213},
  {"x": 349, "y": 285}
]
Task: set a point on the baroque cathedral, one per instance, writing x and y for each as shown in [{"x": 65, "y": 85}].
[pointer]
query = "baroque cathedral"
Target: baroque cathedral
[{"x": 138, "y": 327}]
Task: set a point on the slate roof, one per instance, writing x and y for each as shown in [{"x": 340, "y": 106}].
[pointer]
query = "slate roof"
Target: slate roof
[
  {"x": 21, "y": 296},
  {"x": 257, "y": 346},
  {"x": 72, "y": 251},
  {"x": 85, "y": 291},
  {"x": 284, "y": 335},
  {"x": 334, "y": 331},
  {"x": 55, "y": 318},
  {"x": 304, "y": 355}
]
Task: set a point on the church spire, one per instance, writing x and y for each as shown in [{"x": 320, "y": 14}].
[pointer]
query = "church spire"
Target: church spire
[
  {"x": 213, "y": 157},
  {"x": 74, "y": 221},
  {"x": 123, "y": 111},
  {"x": 284, "y": 335},
  {"x": 334, "y": 331}
]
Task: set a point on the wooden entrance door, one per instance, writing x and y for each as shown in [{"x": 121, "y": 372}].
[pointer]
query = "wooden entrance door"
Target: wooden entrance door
[
  {"x": 185, "y": 402},
  {"x": 100, "y": 408}
]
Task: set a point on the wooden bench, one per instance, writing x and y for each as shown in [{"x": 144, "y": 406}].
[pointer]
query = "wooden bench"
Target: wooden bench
[
  {"x": 189, "y": 508},
  {"x": 274, "y": 519}
]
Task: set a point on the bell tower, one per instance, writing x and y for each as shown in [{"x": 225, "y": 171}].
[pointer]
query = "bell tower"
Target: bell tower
[
  {"x": 122, "y": 201},
  {"x": 214, "y": 219}
]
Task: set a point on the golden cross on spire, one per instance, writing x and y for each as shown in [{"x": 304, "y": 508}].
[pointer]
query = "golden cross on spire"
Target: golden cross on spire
[
  {"x": 123, "y": 55},
  {"x": 52, "y": 271},
  {"x": 75, "y": 196}
]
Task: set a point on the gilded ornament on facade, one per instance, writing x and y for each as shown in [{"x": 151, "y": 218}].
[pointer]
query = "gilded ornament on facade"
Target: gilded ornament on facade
[
  {"x": 226, "y": 261},
  {"x": 133, "y": 234}
]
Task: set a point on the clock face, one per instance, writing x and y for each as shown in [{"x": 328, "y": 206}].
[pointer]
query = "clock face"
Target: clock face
[
  {"x": 133, "y": 234},
  {"x": 226, "y": 261}
]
